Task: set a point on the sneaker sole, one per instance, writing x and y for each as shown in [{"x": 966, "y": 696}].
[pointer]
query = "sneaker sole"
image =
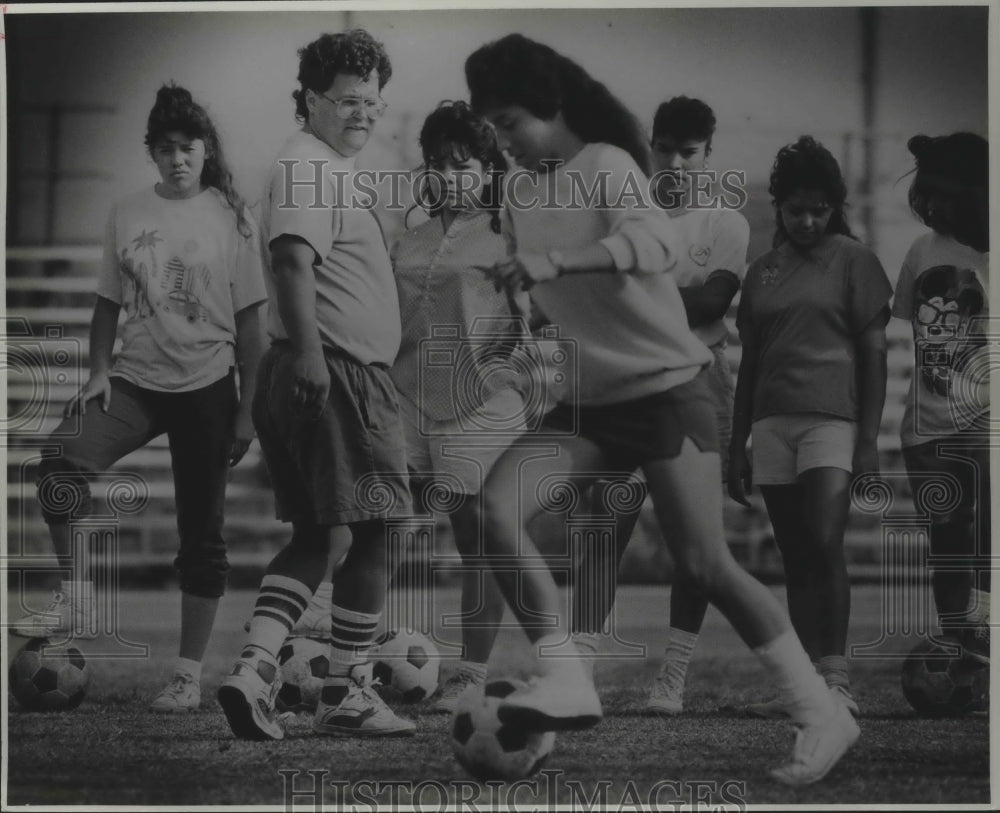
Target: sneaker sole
[
  {"x": 530, "y": 719},
  {"x": 344, "y": 731},
  {"x": 242, "y": 719}
]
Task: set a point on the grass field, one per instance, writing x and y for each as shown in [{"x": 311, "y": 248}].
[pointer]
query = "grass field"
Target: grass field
[{"x": 111, "y": 751}]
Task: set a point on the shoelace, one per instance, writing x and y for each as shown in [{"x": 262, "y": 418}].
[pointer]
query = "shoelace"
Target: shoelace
[
  {"x": 459, "y": 682},
  {"x": 58, "y": 600},
  {"x": 177, "y": 685}
]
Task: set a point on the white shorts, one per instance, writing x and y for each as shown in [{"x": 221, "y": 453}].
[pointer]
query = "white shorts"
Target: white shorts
[
  {"x": 784, "y": 446},
  {"x": 451, "y": 452}
]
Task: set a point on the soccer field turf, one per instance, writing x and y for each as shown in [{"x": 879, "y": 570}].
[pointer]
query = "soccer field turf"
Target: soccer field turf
[{"x": 111, "y": 751}]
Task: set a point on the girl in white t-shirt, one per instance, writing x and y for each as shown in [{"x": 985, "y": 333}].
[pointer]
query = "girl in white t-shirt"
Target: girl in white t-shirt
[
  {"x": 597, "y": 271},
  {"x": 943, "y": 291},
  {"x": 182, "y": 260}
]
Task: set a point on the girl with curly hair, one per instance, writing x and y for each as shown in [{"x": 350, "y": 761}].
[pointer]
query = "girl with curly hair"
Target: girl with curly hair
[
  {"x": 458, "y": 418},
  {"x": 600, "y": 272},
  {"x": 182, "y": 259},
  {"x": 810, "y": 391}
]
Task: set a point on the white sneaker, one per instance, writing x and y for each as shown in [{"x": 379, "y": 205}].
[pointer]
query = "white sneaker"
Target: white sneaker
[
  {"x": 248, "y": 702},
  {"x": 182, "y": 694},
  {"x": 362, "y": 713},
  {"x": 449, "y": 691},
  {"x": 768, "y": 710},
  {"x": 666, "y": 697},
  {"x": 64, "y": 615},
  {"x": 563, "y": 699},
  {"x": 818, "y": 748},
  {"x": 843, "y": 695}
]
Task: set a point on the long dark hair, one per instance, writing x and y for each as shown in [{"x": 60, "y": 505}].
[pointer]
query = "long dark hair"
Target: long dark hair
[
  {"x": 452, "y": 130},
  {"x": 517, "y": 70},
  {"x": 176, "y": 111},
  {"x": 807, "y": 164},
  {"x": 950, "y": 191}
]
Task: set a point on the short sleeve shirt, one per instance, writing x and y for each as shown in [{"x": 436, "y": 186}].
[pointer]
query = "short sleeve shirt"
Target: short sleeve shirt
[
  {"x": 943, "y": 291},
  {"x": 710, "y": 241},
  {"x": 180, "y": 270},
  {"x": 804, "y": 312},
  {"x": 309, "y": 197},
  {"x": 455, "y": 323}
]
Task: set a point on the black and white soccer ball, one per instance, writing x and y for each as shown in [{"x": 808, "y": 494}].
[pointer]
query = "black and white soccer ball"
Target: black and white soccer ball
[
  {"x": 304, "y": 664},
  {"x": 44, "y": 677},
  {"x": 489, "y": 748},
  {"x": 406, "y": 662},
  {"x": 939, "y": 684}
]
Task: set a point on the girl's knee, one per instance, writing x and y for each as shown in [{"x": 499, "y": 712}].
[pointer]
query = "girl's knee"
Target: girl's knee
[{"x": 206, "y": 578}]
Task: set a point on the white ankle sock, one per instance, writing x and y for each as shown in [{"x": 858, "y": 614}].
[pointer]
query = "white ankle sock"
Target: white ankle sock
[
  {"x": 678, "y": 652},
  {"x": 804, "y": 693},
  {"x": 587, "y": 643},
  {"x": 978, "y": 610},
  {"x": 188, "y": 667}
]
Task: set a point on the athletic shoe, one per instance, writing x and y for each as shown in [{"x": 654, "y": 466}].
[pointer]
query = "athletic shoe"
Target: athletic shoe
[
  {"x": 818, "y": 748},
  {"x": 976, "y": 643},
  {"x": 362, "y": 713},
  {"x": 768, "y": 710},
  {"x": 64, "y": 615},
  {"x": 666, "y": 697},
  {"x": 183, "y": 694},
  {"x": 843, "y": 695},
  {"x": 563, "y": 699},
  {"x": 248, "y": 702},
  {"x": 448, "y": 693}
]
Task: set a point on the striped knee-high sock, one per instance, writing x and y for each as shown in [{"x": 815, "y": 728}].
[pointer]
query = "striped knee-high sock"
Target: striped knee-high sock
[
  {"x": 353, "y": 633},
  {"x": 280, "y": 603}
]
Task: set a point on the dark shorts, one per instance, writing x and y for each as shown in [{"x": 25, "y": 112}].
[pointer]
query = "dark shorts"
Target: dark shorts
[
  {"x": 349, "y": 465},
  {"x": 949, "y": 475},
  {"x": 650, "y": 428}
]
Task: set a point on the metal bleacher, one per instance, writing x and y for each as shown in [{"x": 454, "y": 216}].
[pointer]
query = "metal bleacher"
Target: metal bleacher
[
  {"x": 50, "y": 298},
  {"x": 49, "y": 303}
]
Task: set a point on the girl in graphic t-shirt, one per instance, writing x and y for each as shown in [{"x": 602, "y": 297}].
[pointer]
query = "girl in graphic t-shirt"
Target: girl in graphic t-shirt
[
  {"x": 182, "y": 259},
  {"x": 599, "y": 272},
  {"x": 943, "y": 291},
  {"x": 810, "y": 391}
]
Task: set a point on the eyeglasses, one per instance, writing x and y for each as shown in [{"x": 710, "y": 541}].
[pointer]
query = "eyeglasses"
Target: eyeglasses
[{"x": 350, "y": 107}]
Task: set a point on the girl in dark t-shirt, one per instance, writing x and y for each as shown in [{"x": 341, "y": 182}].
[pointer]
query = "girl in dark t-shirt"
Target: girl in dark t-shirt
[{"x": 811, "y": 390}]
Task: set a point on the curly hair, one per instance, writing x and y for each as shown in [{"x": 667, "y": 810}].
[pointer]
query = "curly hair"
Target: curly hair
[
  {"x": 950, "y": 191},
  {"x": 807, "y": 164},
  {"x": 176, "y": 111},
  {"x": 515, "y": 70},
  {"x": 685, "y": 119},
  {"x": 454, "y": 131},
  {"x": 354, "y": 52}
]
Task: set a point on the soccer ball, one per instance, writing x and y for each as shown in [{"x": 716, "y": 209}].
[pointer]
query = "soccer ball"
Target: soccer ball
[
  {"x": 304, "y": 664},
  {"x": 937, "y": 684},
  {"x": 406, "y": 662},
  {"x": 486, "y": 747},
  {"x": 55, "y": 680}
]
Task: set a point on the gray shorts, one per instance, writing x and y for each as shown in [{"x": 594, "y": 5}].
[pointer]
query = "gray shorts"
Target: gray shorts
[{"x": 348, "y": 465}]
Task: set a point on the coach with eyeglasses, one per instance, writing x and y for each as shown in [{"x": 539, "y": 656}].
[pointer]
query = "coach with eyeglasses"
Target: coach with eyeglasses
[{"x": 325, "y": 409}]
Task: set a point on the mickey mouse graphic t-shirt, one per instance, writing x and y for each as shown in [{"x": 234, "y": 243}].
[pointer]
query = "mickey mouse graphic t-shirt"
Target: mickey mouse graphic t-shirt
[
  {"x": 180, "y": 270},
  {"x": 710, "y": 241},
  {"x": 943, "y": 291}
]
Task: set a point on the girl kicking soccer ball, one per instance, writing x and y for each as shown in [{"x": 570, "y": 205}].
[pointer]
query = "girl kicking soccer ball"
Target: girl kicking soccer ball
[
  {"x": 182, "y": 258},
  {"x": 600, "y": 272}
]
